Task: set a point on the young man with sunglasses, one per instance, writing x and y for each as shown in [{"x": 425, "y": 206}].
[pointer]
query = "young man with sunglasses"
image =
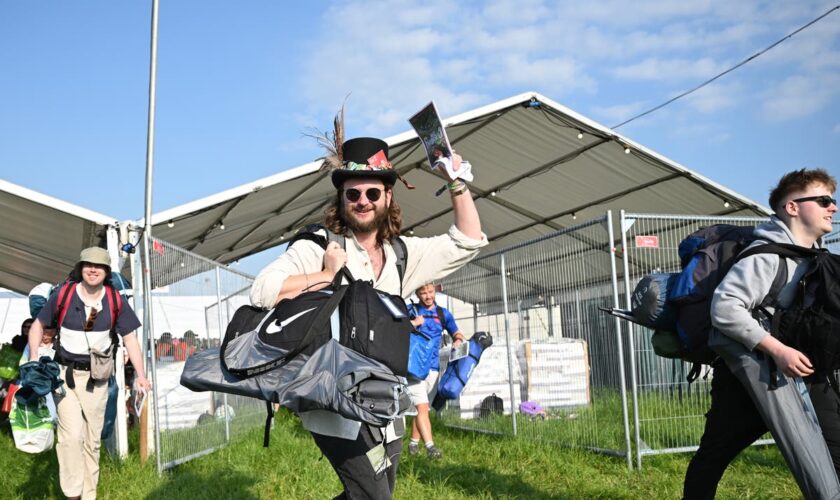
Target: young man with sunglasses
[
  {"x": 801, "y": 414},
  {"x": 366, "y": 213},
  {"x": 87, "y": 324}
]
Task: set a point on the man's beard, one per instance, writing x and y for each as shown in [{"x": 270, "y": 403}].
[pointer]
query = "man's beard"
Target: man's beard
[{"x": 380, "y": 218}]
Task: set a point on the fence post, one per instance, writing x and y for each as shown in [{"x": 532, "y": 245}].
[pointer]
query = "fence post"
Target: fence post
[
  {"x": 507, "y": 342},
  {"x": 148, "y": 316},
  {"x": 631, "y": 340},
  {"x": 221, "y": 335},
  {"x": 619, "y": 342}
]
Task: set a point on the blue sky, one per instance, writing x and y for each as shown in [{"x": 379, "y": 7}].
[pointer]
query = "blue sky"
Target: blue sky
[{"x": 239, "y": 83}]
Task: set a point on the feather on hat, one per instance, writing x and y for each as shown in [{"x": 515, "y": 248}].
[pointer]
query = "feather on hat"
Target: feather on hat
[{"x": 361, "y": 157}]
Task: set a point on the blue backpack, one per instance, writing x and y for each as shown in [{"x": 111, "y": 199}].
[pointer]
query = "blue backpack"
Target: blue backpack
[
  {"x": 422, "y": 348},
  {"x": 677, "y": 306}
]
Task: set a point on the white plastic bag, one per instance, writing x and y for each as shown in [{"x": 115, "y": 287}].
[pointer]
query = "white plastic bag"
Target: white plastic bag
[{"x": 33, "y": 427}]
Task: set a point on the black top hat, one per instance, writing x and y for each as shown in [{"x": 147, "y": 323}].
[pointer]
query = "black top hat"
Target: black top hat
[{"x": 361, "y": 161}]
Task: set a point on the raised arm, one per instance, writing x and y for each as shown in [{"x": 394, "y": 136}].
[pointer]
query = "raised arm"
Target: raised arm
[{"x": 466, "y": 215}]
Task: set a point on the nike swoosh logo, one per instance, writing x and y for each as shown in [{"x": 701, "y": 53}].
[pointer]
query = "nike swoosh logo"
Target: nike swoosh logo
[{"x": 272, "y": 327}]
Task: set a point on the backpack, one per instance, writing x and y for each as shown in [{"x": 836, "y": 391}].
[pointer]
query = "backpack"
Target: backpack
[
  {"x": 287, "y": 355},
  {"x": 65, "y": 295},
  {"x": 811, "y": 323},
  {"x": 311, "y": 233},
  {"x": 422, "y": 349},
  {"x": 677, "y": 306},
  {"x": 491, "y": 405}
]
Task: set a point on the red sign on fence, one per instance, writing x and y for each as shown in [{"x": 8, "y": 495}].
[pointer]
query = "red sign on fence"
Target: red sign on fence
[{"x": 647, "y": 241}]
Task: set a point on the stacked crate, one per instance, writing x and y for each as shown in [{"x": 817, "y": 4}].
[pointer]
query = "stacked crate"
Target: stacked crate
[{"x": 555, "y": 373}]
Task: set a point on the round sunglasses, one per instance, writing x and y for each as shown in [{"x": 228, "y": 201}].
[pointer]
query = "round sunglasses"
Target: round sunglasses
[
  {"x": 824, "y": 201},
  {"x": 353, "y": 195}
]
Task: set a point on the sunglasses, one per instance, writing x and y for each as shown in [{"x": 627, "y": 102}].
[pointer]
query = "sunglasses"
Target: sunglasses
[
  {"x": 824, "y": 201},
  {"x": 354, "y": 195},
  {"x": 91, "y": 319}
]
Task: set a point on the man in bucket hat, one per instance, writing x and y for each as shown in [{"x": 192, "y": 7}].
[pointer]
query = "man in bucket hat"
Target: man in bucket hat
[
  {"x": 87, "y": 325},
  {"x": 365, "y": 211}
]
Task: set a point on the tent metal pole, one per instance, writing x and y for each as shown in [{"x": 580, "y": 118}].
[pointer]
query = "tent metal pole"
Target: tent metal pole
[{"x": 147, "y": 218}]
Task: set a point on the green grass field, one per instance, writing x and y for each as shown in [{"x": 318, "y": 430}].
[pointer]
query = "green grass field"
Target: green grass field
[{"x": 475, "y": 465}]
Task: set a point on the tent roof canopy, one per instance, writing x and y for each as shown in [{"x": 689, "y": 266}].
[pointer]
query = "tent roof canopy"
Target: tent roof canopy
[
  {"x": 533, "y": 176},
  {"x": 41, "y": 236}
]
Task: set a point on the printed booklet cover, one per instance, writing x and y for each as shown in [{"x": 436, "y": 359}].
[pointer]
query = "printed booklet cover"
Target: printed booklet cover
[
  {"x": 429, "y": 128},
  {"x": 462, "y": 351}
]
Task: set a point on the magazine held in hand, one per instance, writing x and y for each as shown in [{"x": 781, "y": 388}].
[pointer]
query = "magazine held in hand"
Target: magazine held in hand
[{"x": 429, "y": 128}]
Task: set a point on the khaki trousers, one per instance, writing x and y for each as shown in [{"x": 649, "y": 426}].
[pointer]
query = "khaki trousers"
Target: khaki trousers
[{"x": 81, "y": 416}]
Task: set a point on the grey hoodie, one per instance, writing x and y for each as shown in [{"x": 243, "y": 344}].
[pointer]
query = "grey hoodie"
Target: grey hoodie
[{"x": 745, "y": 287}]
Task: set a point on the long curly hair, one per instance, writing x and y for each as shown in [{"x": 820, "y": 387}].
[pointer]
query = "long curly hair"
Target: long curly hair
[{"x": 389, "y": 229}]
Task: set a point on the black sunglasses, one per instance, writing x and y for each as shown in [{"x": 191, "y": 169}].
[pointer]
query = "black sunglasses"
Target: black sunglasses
[
  {"x": 91, "y": 318},
  {"x": 824, "y": 201},
  {"x": 353, "y": 195}
]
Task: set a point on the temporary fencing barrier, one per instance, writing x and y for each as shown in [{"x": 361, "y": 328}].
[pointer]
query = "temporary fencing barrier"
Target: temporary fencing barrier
[
  {"x": 669, "y": 413},
  {"x": 193, "y": 299},
  {"x": 540, "y": 300},
  {"x": 552, "y": 345}
]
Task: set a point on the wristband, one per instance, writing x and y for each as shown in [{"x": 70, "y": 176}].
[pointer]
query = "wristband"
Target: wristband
[{"x": 457, "y": 187}]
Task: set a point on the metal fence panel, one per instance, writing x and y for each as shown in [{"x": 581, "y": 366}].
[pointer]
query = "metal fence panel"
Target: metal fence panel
[
  {"x": 552, "y": 345},
  {"x": 669, "y": 413},
  {"x": 187, "y": 290},
  {"x": 832, "y": 240}
]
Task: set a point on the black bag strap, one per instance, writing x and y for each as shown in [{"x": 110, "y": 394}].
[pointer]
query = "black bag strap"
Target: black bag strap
[
  {"x": 269, "y": 408},
  {"x": 440, "y": 316},
  {"x": 312, "y": 232},
  {"x": 401, "y": 252},
  {"x": 787, "y": 250},
  {"x": 783, "y": 250}
]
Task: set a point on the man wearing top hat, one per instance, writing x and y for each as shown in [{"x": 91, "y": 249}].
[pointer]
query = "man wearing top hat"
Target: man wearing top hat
[{"x": 366, "y": 212}]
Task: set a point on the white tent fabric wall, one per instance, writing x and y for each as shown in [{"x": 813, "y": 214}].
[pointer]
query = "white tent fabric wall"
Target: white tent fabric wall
[{"x": 14, "y": 308}]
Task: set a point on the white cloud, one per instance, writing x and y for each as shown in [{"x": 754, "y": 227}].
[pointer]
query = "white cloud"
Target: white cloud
[
  {"x": 460, "y": 53},
  {"x": 670, "y": 70},
  {"x": 706, "y": 132},
  {"x": 564, "y": 73},
  {"x": 716, "y": 97},
  {"x": 619, "y": 112},
  {"x": 800, "y": 96}
]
